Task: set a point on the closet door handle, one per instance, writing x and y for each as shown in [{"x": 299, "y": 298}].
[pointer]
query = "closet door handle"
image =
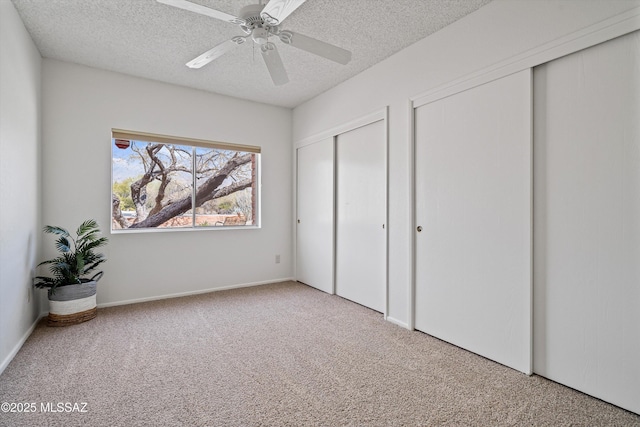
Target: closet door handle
[{"x": 419, "y": 228}]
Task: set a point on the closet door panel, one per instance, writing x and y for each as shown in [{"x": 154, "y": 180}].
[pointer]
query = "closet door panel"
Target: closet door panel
[
  {"x": 587, "y": 221},
  {"x": 361, "y": 215},
  {"x": 314, "y": 228},
  {"x": 473, "y": 205}
]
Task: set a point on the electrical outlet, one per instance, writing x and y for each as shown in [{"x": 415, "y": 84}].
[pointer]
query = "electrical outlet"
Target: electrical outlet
[{"x": 277, "y": 259}]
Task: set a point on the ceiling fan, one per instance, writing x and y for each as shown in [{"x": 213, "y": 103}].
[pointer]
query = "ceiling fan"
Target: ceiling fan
[{"x": 261, "y": 22}]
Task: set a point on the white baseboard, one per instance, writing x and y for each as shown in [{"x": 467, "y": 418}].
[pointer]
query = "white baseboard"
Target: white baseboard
[
  {"x": 19, "y": 344},
  {"x": 398, "y": 322},
  {"x": 201, "y": 291}
]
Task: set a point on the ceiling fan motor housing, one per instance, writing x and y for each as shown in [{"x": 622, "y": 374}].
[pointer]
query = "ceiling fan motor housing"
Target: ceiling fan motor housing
[
  {"x": 251, "y": 16},
  {"x": 255, "y": 25}
]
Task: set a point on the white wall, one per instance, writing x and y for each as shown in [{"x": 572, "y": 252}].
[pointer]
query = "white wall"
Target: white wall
[
  {"x": 80, "y": 107},
  {"x": 496, "y": 32},
  {"x": 19, "y": 180}
]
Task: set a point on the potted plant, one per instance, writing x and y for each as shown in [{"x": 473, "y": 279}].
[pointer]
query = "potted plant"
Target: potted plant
[{"x": 72, "y": 287}]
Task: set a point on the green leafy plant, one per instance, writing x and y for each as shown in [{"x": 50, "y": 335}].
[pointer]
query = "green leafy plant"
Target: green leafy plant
[{"x": 77, "y": 257}]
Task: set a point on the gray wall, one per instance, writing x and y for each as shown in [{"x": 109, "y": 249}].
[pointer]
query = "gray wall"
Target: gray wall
[
  {"x": 20, "y": 111},
  {"x": 80, "y": 107}
]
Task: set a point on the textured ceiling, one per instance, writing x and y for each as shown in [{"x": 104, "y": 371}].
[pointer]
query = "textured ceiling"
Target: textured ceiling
[{"x": 148, "y": 39}]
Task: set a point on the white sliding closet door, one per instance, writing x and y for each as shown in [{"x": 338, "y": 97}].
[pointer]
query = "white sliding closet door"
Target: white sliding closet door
[
  {"x": 314, "y": 232},
  {"x": 473, "y": 204},
  {"x": 587, "y": 221},
  {"x": 361, "y": 215}
]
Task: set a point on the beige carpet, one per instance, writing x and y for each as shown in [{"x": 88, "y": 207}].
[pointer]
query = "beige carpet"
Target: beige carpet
[{"x": 282, "y": 354}]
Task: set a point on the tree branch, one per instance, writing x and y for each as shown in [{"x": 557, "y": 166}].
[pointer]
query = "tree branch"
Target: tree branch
[
  {"x": 205, "y": 192},
  {"x": 117, "y": 212},
  {"x": 229, "y": 189}
]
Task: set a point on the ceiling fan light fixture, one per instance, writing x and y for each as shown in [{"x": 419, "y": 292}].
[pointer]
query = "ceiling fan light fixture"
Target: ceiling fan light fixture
[{"x": 260, "y": 36}]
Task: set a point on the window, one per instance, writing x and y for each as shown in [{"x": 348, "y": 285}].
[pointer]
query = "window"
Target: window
[{"x": 163, "y": 182}]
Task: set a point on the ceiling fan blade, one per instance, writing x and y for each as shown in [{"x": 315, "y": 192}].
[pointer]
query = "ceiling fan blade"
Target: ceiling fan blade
[
  {"x": 317, "y": 47},
  {"x": 214, "y": 53},
  {"x": 274, "y": 64},
  {"x": 277, "y": 10},
  {"x": 202, "y": 10}
]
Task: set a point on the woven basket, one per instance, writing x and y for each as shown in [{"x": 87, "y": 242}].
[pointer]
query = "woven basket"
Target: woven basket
[
  {"x": 71, "y": 319},
  {"x": 72, "y": 304}
]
